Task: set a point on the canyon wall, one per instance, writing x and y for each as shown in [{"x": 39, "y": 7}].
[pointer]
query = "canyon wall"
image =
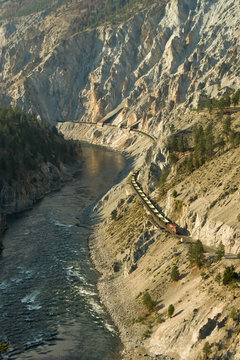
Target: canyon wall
[{"x": 160, "y": 62}]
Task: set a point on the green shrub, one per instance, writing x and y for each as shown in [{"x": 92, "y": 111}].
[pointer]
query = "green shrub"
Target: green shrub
[
  {"x": 178, "y": 205},
  {"x": 238, "y": 217},
  {"x": 238, "y": 255},
  {"x": 195, "y": 253},
  {"x": 148, "y": 301},
  {"x": 236, "y": 98},
  {"x": 174, "y": 194},
  {"x": 171, "y": 310},
  {"x": 204, "y": 275},
  {"x": 175, "y": 275},
  {"x": 206, "y": 350},
  {"x": 229, "y": 275},
  {"x": 172, "y": 128},
  {"x": 3, "y": 347},
  {"x": 146, "y": 333},
  {"x": 140, "y": 319},
  {"x": 218, "y": 278},
  {"x": 114, "y": 214},
  {"x": 234, "y": 314},
  {"x": 163, "y": 176},
  {"x": 172, "y": 158},
  {"x": 220, "y": 251},
  {"x": 160, "y": 320}
]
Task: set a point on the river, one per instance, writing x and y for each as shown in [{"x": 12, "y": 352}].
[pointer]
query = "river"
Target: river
[{"x": 49, "y": 308}]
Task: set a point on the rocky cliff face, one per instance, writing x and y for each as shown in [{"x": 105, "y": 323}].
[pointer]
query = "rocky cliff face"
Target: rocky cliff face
[
  {"x": 161, "y": 62},
  {"x": 209, "y": 201},
  {"x": 20, "y": 195}
]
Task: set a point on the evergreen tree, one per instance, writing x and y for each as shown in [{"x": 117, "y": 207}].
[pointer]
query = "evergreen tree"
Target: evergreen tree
[
  {"x": 172, "y": 143},
  {"x": 199, "y": 146},
  {"x": 171, "y": 310},
  {"x": 209, "y": 105},
  {"x": 234, "y": 138},
  {"x": 236, "y": 98},
  {"x": 189, "y": 163},
  {"x": 220, "y": 251},
  {"x": 218, "y": 278},
  {"x": 229, "y": 275},
  {"x": 148, "y": 301},
  {"x": 220, "y": 142},
  {"x": 180, "y": 144},
  {"x": 209, "y": 140},
  {"x": 172, "y": 158},
  {"x": 175, "y": 275},
  {"x": 195, "y": 253},
  {"x": 227, "y": 126}
]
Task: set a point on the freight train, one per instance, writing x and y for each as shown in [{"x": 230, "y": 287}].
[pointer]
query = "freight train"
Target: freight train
[{"x": 171, "y": 226}]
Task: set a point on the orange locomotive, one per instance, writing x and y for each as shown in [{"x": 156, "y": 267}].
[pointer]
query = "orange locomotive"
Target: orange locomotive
[{"x": 174, "y": 228}]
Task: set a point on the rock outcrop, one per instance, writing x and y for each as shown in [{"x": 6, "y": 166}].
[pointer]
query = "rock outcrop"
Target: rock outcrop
[{"x": 19, "y": 195}]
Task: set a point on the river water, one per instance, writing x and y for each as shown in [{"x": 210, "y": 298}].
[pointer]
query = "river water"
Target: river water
[{"x": 49, "y": 308}]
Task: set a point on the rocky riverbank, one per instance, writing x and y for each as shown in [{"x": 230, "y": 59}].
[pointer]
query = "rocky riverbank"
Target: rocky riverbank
[{"x": 22, "y": 194}]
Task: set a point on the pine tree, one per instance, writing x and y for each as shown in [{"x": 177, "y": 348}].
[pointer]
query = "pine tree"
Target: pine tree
[
  {"x": 196, "y": 253},
  {"x": 227, "y": 126},
  {"x": 220, "y": 251},
  {"x": 209, "y": 105},
  {"x": 218, "y": 278},
  {"x": 175, "y": 275},
  {"x": 209, "y": 140},
  {"x": 236, "y": 98},
  {"x": 180, "y": 144},
  {"x": 148, "y": 301},
  {"x": 220, "y": 142},
  {"x": 189, "y": 163},
  {"x": 171, "y": 310},
  {"x": 229, "y": 275}
]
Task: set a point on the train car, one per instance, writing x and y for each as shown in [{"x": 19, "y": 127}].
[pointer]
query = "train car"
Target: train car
[{"x": 166, "y": 221}]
